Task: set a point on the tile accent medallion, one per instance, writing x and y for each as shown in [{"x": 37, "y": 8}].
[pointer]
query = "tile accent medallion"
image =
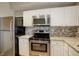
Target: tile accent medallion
[{"x": 64, "y": 31}]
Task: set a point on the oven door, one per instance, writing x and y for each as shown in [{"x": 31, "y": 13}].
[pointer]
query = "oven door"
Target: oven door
[{"x": 39, "y": 47}]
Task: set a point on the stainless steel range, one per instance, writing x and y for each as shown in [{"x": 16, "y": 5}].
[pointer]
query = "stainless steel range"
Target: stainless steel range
[{"x": 40, "y": 44}]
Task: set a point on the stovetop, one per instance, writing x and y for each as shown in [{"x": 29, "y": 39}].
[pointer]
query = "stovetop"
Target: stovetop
[
  {"x": 39, "y": 39},
  {"x": 40, "y": 36}
]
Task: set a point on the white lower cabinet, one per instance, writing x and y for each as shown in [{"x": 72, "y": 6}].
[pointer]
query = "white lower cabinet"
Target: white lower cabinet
[
  {"x": 72, "y": 52},
  {"x": 57, "y": 48},
  {"x": 57, "y": 51},
  {"x": 24, "y": 47},
  {"x": 66, "y": 49},
  {"x": 61, "y": 48}
]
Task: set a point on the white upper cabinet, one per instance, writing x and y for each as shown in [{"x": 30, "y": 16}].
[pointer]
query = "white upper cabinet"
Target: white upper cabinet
[
  {"x": 70, "y": 16},
  {"x": 27, "y": 19},
  {"x": 28, "y": 15},
  {"x": 62, "y": 16},
  {"x": 57, "y": 17},
  {"x": 77, "y": 7}
]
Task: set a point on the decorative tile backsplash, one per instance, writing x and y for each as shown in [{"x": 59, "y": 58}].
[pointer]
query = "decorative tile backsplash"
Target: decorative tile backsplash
[
  {"x": 59, "y": 31},
  {"x": 29, "y": 31},
  {"x": 63, "y": 31},
  {"x": 77, "y": 34}
]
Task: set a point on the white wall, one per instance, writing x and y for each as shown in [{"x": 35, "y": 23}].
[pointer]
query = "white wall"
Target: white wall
[
  {"x": 5, "y": 9},
  {"x": 19, "y": 14},
  {"x": 6, "y": 13}
]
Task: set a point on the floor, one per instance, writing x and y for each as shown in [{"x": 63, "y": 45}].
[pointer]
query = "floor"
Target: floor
[
  {"x": 1, "y": 54},
  {"x": 7, "y": 53}
]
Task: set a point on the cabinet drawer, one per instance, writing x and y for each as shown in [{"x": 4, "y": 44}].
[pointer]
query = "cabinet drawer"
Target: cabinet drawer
[{"x": 57, "y": 43}]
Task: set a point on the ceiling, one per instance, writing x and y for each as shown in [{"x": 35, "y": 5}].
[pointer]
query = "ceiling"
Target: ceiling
[{"x": 22, "y": 6}]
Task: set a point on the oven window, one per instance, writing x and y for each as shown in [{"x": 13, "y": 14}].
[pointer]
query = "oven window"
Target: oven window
[{"x": 40, "y": 47}]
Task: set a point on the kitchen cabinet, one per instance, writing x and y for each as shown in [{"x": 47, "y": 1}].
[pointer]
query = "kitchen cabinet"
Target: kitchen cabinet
[
  {"x": 66, "y": 49},
  {"x": 61, "y": 16},
  {"x": 57, "y": 17},
  {"x": 23, "y": 46},
  {"x": 27, "y": 19},
  {"x": 57, "y": 48},
  {"x": 64, "y": 16},
  {"x": 69, "y": 51},
  {"x": 28, "y": 16},
  {"x": 62, "y": 48},
  {"x": 77, "y": 7},
  {"x": 70, "y": 16},
  {"x": 72, "y": 52}
]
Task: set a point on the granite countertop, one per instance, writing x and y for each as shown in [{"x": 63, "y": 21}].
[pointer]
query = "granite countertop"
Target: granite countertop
[
  {"x": 72, "y": 41},
  {"x": 25, "y": 36}
]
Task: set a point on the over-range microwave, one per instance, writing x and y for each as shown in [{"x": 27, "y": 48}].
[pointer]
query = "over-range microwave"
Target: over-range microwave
[
  {"x": 39, "y": 21},
  {"x": 43, "y": 19}
]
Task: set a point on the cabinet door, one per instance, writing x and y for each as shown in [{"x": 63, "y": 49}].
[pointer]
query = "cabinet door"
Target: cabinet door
[
  {"x": 28, "y": 16},
  {"x": 72, "y": 52},
  {"x": 24, "y": 47},
  {"x": 57, "y": 17},
  {"x": 70, "y": 16},
  {"x": 65, "y": 16},
  {"x": 57, "y": 48},
  {"x": 77, "y": 7},
  {"x": 27, "y": 19},
  {"x": 66, "y": 49}
]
